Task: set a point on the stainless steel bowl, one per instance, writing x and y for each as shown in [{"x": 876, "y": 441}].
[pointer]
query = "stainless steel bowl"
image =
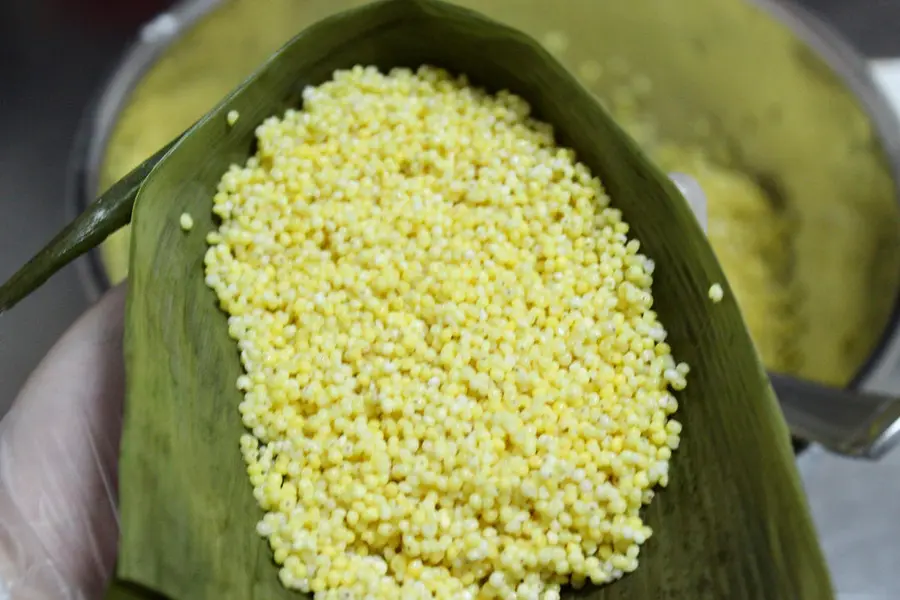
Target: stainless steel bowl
[{"x": 818, "y": 48}]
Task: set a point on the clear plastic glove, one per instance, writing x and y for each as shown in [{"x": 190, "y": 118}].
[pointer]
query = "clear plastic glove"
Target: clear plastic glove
[{"x": 59, "y": 447}]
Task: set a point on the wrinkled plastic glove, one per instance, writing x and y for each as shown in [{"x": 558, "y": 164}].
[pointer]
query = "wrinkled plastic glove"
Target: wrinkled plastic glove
[{"x": 59, "y": 447}]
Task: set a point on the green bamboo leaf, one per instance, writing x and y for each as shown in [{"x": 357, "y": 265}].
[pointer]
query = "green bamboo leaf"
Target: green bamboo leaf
[
  {"x": 123, "y": 590},
  {"x": 733, "y": 523},
  {"x": 109, "y": 213}
]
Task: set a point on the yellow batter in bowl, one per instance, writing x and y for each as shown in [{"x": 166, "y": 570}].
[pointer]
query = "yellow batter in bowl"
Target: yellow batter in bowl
[{"x": 802, "y": 205}]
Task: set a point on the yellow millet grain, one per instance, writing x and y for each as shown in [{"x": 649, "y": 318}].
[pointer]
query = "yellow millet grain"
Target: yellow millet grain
[
  {"x": 186, "y": 221},
  {"x": 455, "y": 384}
]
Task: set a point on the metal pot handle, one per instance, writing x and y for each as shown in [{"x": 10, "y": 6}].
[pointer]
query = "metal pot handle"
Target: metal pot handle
[{"x": 849, "y": 422}]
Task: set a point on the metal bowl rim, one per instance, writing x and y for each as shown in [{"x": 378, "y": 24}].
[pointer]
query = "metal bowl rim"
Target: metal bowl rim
[
  {"x": 100, "y": 117},
  {"x": 99, "y": 121}
]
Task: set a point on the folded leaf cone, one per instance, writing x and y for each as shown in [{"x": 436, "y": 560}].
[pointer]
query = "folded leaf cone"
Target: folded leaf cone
[{"x": 733, "y": 523}]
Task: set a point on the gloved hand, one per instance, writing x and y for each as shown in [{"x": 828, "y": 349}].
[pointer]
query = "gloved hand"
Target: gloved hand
[{"x": 59, "y": 447}]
